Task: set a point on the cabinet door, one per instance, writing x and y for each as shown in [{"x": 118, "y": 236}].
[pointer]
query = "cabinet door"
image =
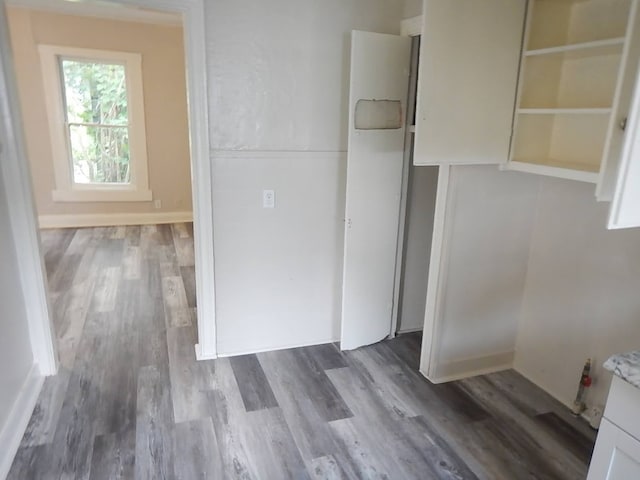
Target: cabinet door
[
  {"x": 616, "y": 456},
  {"x": 621, "y": 108},
  {"x": 625, "y": 207},
  {"x": 469, "y": 60}
]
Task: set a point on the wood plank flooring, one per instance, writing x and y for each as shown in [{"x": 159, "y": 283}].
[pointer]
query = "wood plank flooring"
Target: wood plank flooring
[{"x": 131, "y": 401}]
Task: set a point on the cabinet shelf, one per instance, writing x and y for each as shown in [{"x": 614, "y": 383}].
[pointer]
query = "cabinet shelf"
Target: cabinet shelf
[
  {"x": 581, "y": 50},
  {"x": 568, "y": 86},
  {"x": 576, "y": 24},
  {"x": 566, "y": 141},
  {"x": 584, "y": 78},
  {"x": 553, "y": 168}
]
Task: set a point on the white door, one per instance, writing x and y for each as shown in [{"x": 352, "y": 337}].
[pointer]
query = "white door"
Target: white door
[
  {"x": 467, "y": 80},
  {"x": 625, "y": 208},
  {"x": 377, "y": 107}
]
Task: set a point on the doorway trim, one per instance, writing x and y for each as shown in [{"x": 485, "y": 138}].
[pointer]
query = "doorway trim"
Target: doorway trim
[
  {"x": 436, "y": 278},
  {"x": 409, "y": 28},
  {"x": 17, "y": 178}
]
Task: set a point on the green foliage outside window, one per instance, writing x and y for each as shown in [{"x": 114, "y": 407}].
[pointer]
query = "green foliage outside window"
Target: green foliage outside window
[{"x": 95, "y": 97}]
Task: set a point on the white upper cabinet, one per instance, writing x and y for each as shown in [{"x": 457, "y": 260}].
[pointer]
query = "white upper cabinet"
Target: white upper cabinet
[
  {"x": 469, "y": 58},
  {"x": 625, "y": 208},
  {"x": 574, "y": 90},
  {"x": 617, "y": 134},
  {"x": 553, "y": 90}
]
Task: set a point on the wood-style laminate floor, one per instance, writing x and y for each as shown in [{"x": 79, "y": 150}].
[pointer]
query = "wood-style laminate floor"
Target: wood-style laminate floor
[{"x": 131, "y": 401}]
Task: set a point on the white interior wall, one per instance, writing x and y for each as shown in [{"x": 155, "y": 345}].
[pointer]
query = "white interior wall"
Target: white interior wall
[
  {"x": 278, "y": 80},
  {"x": 16, "y": 357},
  {"x": 411, "y": 8},
  {"x": 488, "y": 227},
  {"x": 278, "y": 271},
  {"x": 529, "y": 267},
  {"x": 581, "y": 297},
  {"x": 279, "y": 70},
  {"x": 421, "y": 202}
]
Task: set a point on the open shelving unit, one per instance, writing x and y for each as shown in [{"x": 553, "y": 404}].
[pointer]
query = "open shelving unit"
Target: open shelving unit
[{"x": 568, "y": 86}]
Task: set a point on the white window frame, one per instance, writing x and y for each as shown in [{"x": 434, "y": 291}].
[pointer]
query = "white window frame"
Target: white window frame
[{"x": 137, "y": 190}]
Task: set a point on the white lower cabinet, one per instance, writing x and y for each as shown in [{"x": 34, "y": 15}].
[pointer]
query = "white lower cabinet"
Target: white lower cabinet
[
  {"x": 616, "y": 456},
  {"x": 617, "y": 452}
]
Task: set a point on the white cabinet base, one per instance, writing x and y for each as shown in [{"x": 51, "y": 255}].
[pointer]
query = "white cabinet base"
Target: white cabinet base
[
  {"x": 616, "y": 455},
  {"x": 617, "y": 452}
]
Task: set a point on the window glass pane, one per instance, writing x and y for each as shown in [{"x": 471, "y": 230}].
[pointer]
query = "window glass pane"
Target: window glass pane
[
  {"x": 100, "y": 154},
  {"x": 95, "y": 92}
]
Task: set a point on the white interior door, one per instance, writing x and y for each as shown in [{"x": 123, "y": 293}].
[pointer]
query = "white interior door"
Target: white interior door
[
  {"x": 467, "y": 81},
  {"x": 377, "y": 106}
]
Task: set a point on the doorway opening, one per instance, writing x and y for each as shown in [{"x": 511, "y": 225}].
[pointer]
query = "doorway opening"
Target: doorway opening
[
  {"x": 415, "y": 232},
  {"x": 390, "y": 204},
  {"x": 94, "y": 145}
]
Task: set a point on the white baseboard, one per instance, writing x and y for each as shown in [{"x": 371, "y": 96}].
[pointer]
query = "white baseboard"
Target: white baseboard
[
  {"x": 471, "y": 367},
  {"x": 200, "y": 355},
  {"x": 11, "y": 434},
  {"x": 410, "y": 330},
  {"x": 272, "y": 349},
  {"x": 543, "y": 386},
  {"x": 296, "y": 155},
  {"x": 112, "y": 219}
]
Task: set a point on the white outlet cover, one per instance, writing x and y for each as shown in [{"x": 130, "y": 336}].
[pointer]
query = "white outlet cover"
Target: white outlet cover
[{"x": 268, "y": 199}]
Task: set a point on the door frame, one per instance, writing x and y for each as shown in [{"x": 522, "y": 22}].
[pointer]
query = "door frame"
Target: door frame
[
  {"x": 438, "y": 255},
  {"x": 410, "y": 27},
  {"x": 17, "y": 181}
]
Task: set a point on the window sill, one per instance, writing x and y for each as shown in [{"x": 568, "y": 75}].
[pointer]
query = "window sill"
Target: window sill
[{"x": 102, "y": 195}]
